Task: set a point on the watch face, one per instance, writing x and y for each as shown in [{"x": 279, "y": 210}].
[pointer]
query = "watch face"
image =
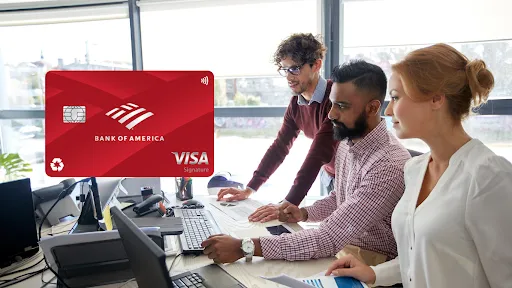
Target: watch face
[{"x": 248, "y": 247}]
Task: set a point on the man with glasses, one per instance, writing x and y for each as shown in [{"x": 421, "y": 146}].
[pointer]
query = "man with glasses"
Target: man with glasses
[
  {"x": 299, "y": 59},
  {"x": 355, "y": 218}
]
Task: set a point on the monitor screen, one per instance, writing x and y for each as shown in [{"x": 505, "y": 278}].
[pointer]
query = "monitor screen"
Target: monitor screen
[{"x": 17, "y": 219}]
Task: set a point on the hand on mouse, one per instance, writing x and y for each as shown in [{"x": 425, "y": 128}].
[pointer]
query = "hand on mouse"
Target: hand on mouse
[{"x": 236, "y": 194}]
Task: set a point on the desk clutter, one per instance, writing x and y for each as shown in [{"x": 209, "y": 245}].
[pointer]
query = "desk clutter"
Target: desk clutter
[
  {"x": 89, "y": 251},
  {"x": 97, "y": 246}
]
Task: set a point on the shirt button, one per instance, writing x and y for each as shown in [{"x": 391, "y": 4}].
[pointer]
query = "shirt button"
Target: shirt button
[
  {"x": 411, "y": 248},
  {"x": 410, "y": 279}
]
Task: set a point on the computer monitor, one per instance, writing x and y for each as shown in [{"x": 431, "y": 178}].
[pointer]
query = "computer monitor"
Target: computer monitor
[
  {"x": 147, "y": 260},
  {"x": 17, "y": 219}
]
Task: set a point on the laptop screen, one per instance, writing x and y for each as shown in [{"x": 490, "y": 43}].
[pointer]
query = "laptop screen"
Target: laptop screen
[{"x": 147, "y": 260}]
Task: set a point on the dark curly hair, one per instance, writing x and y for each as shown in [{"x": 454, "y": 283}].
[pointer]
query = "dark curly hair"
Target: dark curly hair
[{"x": 302, "y": 48}]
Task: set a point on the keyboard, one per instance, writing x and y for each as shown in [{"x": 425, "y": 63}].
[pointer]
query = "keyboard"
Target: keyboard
[
  {"x": 198, "y": 225},
  {"x": 191, "y": 280}
]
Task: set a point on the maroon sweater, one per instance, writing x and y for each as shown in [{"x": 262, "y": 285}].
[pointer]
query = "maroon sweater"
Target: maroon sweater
[{"x": 313, "y": 121}]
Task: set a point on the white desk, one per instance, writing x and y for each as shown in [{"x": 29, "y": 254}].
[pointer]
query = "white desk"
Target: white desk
[{"x": 247, "y": 273}]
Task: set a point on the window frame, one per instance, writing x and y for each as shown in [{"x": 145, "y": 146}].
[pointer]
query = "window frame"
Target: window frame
[{"x": 330, "y": 18}]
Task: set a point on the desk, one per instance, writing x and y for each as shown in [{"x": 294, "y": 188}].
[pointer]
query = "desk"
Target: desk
[{"x": 247, "y": 273}]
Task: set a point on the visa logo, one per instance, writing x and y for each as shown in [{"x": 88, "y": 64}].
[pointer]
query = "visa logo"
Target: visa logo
[{"x": 191, "y": 158}]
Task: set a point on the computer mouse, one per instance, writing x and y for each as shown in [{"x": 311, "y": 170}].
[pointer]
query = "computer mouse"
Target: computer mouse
[
  {"x": 221, "y": 176},
  {"x": 192, "y": 204}
]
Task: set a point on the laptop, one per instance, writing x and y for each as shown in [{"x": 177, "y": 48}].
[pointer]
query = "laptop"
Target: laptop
[{"x": 147, "y": 262}]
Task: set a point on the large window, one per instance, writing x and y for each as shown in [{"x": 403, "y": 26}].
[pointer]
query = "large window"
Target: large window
[
  {"x": 395, "y": 28},
  {"x": 236, "y": 42},
  {"x": 28, "y": 52}
]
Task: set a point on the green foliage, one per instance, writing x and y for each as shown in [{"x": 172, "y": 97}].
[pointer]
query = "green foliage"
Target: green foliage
[
  {"x": 13, "y": 166},
  {"x": 253, "y": 100},
  {"x": 220, "y": 94},
  {"x": 242, "y": 100}
]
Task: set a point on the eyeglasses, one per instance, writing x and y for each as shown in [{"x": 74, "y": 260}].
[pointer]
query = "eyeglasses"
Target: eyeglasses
[{"x": 294, "y": 70}]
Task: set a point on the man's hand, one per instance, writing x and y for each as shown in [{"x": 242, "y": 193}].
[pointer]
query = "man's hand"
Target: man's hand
[
  {"x": 236, "y": 194},
  {"x": 290, "y": 213},
  {"x": 265, "y": 213},
  {"x": 223, "y": 248},
  {"x": 350, "y": 266}
]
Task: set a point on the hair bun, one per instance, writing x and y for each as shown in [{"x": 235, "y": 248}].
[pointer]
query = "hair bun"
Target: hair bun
[{"x": 480, "y": 80}]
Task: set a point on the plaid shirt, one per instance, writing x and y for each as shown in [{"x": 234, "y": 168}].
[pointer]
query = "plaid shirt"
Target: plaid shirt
[{"x": 369, "y": 182}]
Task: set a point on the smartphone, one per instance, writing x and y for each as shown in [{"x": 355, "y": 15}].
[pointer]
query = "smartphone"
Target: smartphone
[{"x": 278, "y": 230}]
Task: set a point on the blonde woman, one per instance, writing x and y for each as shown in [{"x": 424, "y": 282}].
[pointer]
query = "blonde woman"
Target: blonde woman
[{"x": 453, "y": 225}]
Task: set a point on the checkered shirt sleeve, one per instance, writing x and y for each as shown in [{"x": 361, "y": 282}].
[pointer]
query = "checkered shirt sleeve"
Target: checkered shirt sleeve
[{"x": 375, "y": 197}]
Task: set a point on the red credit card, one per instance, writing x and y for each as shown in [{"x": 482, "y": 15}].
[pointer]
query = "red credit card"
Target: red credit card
[{"x": 129, "y": 123}]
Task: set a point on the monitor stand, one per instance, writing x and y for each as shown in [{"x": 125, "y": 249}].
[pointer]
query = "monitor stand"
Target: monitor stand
[{"x": 87, "y": 221}]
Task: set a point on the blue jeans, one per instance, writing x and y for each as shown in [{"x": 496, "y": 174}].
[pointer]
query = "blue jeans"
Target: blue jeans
[{"x": 326, "y": 182}]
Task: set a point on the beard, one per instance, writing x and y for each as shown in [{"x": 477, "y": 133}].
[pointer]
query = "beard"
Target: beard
[
  {"x": 342, "y": 132},
  {"x": 301, "y": 87}
]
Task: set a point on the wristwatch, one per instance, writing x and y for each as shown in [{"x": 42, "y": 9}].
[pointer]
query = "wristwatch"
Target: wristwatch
[{"x": 248, "y": 249}]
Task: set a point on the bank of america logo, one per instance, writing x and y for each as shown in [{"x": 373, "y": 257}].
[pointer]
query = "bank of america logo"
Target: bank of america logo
[{"x": 134, "y": 117}]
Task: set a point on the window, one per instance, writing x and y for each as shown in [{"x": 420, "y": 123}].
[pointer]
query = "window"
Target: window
[
  {"x": 28, "y": 52},
  {"x": 496, "y": 54},
  {"x": 252, "y": 91},
  {"x": 236, "y": 42},
  {"x": 240, "y": 144},
  {"x": 402, "y": 30}
]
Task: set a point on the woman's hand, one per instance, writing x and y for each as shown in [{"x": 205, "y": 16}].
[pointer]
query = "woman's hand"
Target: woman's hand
[{"x": 351, "y": 267}]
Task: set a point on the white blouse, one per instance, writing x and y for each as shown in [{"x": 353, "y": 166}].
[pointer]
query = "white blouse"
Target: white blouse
[{"x": 461, "y": 235}]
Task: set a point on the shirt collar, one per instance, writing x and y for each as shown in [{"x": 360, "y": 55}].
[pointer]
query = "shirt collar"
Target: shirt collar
[
  {"x": 318, "y": 94},
  {"x": 371, "y": 140}
]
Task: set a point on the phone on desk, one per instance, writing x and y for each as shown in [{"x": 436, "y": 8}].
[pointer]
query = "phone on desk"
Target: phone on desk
[{"x": 278, "y": 230}]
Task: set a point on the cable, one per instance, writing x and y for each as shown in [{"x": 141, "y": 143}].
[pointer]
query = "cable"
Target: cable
[
  {"x": 61, "y": 195},
  {"x": 126, "y": 282},
  {"x": 45, "y": 283},
  {"x": 21, "y": 270},
  {"x": 16, "y": 265},
  {"x": 172, "y": 263},
  {"x": 21, "y": 278},
  {"x": 55, "y": 273}
]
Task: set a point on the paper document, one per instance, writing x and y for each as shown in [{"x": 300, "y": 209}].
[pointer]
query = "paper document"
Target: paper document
[
  {"x": 238, "y": 210},
  {"x": 319, "y": 282},
  {"x": 288, "y": 281}
]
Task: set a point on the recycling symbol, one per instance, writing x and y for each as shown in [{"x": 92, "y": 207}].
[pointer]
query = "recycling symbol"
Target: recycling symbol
[{"x": 57, "y": 164}]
